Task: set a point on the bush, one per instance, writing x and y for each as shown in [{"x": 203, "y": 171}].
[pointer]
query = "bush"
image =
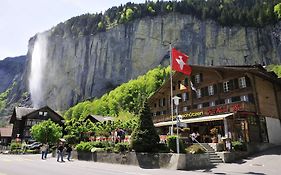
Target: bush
[
  {"x": 144, "y": 137},
  {"x": 121, "y": 147},
  {"x": 163, "y": 148},
  {"x": 239, "y": 146},
  {"x": 195, "y": 149},
  {"x": 15, "y": 146},
  {"x": 172, "y": 144},
  {"x": 84, "y": 146}
]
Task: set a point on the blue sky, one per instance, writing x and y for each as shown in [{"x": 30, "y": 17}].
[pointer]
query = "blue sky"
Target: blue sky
[{"x": 22, "y": 19}]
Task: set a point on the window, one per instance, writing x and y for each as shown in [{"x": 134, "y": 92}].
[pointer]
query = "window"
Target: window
[
  {"x": 199, "y": 106},
  {"x": 154, "y": 113},
  {"x": 184, "y": 109},
  {"x": 164, "y": 101},
  {"x": 155, "y": 105},
  {"x": 212, "y": 103},
  {"x": 207, "y": 104},
  {"x": 227, "y": 101},
  {"x": 235, "y": 99},
  {"x": 242, "y": 82},
  {"x": 226, "y": 86},
  {"x": 199, "y": 95},
  {"x": 211, "y": 90},
  {"x": 244, "y": 98},
  {"x": 197, "y": 78}
]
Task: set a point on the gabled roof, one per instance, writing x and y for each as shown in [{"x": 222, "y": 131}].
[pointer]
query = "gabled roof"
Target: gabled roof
[
  {"x": 21, "y": 112},
  {"x": 6, "y": 132},
  {"x": 99, "y": 118}
]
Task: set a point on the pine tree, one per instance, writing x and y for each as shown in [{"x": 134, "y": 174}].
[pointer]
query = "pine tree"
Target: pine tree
[{"x": 144, "y": 137}]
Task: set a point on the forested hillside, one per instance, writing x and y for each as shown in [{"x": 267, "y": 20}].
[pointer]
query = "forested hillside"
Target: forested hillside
[
  {"x": 127, "y": 97},
  {"x": 249, "y": 13}
]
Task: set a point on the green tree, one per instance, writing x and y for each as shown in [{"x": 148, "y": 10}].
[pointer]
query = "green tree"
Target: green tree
[
  {"x": 46, "y": 132},
  {"x": 144, "y": 137},
  {"x": 277, "y": 10}
]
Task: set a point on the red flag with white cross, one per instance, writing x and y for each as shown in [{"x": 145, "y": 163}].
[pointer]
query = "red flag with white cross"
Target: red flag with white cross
[{"x": 179, "y": 62}]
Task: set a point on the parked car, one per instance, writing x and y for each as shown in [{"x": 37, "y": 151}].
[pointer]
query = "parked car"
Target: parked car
[{"x": 34, "y": 145}]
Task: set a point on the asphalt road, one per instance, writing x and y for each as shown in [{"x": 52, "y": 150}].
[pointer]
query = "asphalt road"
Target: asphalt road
[{"x": 268, "y": 163}]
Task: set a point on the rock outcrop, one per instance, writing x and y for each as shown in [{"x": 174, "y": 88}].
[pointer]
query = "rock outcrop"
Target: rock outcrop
[{"x": 82, "y": 67}]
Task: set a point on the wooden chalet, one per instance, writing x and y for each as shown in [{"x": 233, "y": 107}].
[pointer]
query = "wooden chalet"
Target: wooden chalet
[
  {"x": 242, "y": 102},
  {"x": 24, "y": 118},
  {"x": 6, "y": 135}
]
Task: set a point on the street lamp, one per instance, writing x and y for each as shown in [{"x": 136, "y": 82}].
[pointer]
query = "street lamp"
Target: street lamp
[{"x": 176, "y": 101}]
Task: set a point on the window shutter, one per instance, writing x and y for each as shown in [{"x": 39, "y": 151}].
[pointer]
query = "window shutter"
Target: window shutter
[
  {"x": 236, "y": 84},
  {"x": 248, "y": 81},
  {"x": 231, "y": 85},
  {"x": 220, "y": 88},
  {"x": 215, "y": 89},
  {"x": 201, "y": 77}
]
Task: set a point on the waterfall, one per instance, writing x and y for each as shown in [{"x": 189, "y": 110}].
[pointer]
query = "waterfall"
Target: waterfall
[{"x": 38, "y": 63}]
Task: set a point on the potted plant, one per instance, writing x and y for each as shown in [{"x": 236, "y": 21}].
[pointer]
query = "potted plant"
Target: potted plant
[{"x": 214, "y": 133}]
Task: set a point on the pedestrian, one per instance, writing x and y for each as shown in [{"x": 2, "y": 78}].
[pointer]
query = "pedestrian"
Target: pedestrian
[
  {"x": 193, "y": 137},
  {"x": 68, "y": 151},
  {"x": 47, "y": 150},
  {"x": 60, "y": 152},
  {"x": 120, "y": 134},
  {"x": 43, "y": 151}
]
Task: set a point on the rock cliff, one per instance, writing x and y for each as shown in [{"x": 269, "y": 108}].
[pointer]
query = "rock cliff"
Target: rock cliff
[
  {"x": 82, "y": 67},
  {"x": 10, "y": 69}
]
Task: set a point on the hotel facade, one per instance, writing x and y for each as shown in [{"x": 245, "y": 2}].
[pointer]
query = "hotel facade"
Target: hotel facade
[{"x": 242, "y": 102}]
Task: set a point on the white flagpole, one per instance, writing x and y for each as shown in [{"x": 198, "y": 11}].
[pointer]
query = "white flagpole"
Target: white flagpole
[{"x": 171, "y": 78}]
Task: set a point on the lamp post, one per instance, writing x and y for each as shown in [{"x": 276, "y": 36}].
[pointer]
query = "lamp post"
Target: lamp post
[{"x": 176, "y": 101}]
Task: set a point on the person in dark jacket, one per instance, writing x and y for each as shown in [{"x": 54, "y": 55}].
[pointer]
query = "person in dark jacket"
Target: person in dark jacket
[
  {"x": 60, "y": 152},
  {"x": 68, "y": 151}
]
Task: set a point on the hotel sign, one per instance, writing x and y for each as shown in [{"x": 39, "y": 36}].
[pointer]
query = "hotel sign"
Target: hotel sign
[
  {"x": 224, "y": 109},
  {"x": 192, "y": 114}
]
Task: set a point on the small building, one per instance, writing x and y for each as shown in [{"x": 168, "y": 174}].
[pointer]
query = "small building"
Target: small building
[
  {"x": 98, "y": 118},
  {"x": 242, "y": 102},
  {"x": 24, "y": 118},
  {"x": 6, "y": 135}
]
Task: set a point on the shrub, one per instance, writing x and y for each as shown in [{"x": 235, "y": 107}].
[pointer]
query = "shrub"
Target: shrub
[
  {"x": 239, "y": 146},
  {"x": 144, "y": 137},
  {"x": 195, "y": 149},
  {"x": 163, "y": 148},
  {"x": 84, "y": 146},
  {"x": 121, "y": 147},
  {"x": 172, "y": 144},
  {"x": 15, "y": 146}
]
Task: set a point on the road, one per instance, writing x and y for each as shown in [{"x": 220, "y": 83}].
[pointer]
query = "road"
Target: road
[{"x": 268, "y": 163}]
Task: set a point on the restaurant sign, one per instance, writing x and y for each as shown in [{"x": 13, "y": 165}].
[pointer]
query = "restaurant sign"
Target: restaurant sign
[
  {"x": 224, "y": 109},
  {"x": 192, "y": 114}
]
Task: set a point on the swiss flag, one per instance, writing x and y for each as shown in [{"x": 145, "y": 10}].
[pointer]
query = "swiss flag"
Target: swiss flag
[{"x": 179, "y": 62}]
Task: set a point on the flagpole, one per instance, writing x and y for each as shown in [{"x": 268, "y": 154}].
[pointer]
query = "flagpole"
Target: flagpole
[{"x": 171, "y": 78}]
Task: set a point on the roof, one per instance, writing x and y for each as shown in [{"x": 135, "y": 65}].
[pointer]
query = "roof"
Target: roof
[
  {"x": 100, "y": 118},
  {"x": 6, "y": 132},
  {"x": 195, "y": 120},
  {"x": 22, "y": 111}
]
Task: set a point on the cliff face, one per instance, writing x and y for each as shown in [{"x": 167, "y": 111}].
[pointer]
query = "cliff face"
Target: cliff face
[
  {"x": 10, "y": 69},
  {"x": 82, "y": 67}
]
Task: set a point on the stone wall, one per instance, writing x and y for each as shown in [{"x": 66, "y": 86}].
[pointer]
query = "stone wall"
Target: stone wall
[{"x": 151, "y": 160}]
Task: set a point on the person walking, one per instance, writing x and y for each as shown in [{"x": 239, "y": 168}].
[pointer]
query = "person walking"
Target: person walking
[
  {"x": 43, "y": 151},
  {"x": 60, "y": 152},
  {"x": 47, "y": 150},
  {"x": 68, "y": 151}
]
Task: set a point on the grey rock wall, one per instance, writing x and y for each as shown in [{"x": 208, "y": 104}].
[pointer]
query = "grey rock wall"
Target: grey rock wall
[{"x": 85, "y": 67}]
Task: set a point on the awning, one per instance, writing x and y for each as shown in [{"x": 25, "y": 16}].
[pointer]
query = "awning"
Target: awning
[{"x": 196, "y": 120}]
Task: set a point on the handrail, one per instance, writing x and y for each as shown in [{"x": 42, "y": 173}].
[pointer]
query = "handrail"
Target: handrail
[{"x": 200, "y": 144}]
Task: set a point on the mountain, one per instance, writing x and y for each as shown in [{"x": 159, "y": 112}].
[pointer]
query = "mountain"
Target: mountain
[
  {"x": 83, "y": 58},
  {"x": 10, "y": 69}
]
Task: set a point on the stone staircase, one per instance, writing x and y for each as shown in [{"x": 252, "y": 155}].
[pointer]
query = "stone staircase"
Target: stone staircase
[{"x": 214, "y": 158}]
